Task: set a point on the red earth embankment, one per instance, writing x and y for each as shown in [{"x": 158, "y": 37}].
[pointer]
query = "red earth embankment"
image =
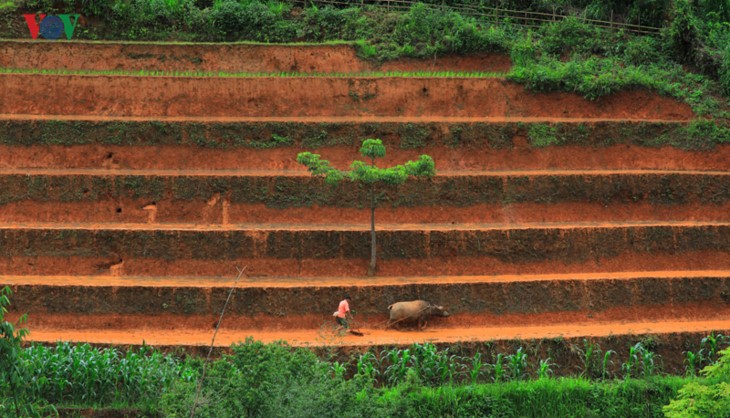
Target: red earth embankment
[
  {"x": 342, "y": 250},
  {"x": 521, "y": 156},
  {"x": 301, "y": 302},
  {"x": 315, "y": 96},
  {"x": 253, "y": 58}
]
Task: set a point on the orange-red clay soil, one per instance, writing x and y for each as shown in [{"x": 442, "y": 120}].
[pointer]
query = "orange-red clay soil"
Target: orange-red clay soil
[
  {"x": 263, "y": 267},
  {"x": 334, "y": 99},
  {"x": 319, "y": 97},
  {"x": 520, "y": 157},
  {"x": 230, "y": 58},
  {"x": 315, "y": 321},
  {"x": 373, "y": 337},
  {"x": 219, "y": 212}
]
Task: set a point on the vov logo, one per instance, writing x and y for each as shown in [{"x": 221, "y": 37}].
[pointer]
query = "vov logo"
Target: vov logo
[{"x": 51, "y": 26}]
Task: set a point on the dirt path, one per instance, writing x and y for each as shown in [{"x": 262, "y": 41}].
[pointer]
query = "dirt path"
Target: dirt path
[{"x": 373, "y": 337}]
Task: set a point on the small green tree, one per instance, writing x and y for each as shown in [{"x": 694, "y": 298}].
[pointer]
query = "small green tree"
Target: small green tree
[
  {"x": 708, "y": 397},
  {"x": 370, "y": 175},
  {"x": 12, "y": 374}
]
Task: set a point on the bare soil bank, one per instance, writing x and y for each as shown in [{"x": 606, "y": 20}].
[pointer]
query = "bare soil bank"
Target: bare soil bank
[
  {"x": 475, "y": 304},
  {"x": 284, "y": 190},
  {"x": 104, "y": 264},
  {"x": 518, "y": 157},
  {"x": 318, "y": 96},
  {"x": 216, "y": 210},
  {"x": 223, "y": 57}
]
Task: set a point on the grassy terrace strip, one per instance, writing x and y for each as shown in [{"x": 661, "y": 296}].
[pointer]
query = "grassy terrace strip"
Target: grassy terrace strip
[
  {"x": 565, "y": 242},
  {"x": 649, "y": 297},
  {"x": 206, "y": 74},
  {"x": 281, "y": 191},
  {"x": 697, "y": 135}
]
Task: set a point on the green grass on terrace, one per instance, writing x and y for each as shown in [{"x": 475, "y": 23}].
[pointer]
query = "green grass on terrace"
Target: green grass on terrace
[
  {"x": 281, "y": 74},
  {"x": 183, "y": 43}
]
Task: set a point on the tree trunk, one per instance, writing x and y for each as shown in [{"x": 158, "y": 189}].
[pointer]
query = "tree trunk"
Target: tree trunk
[{"x": 372, "y": 267}]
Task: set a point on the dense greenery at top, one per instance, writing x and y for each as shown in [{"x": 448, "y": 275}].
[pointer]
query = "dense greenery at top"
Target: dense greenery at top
[{"x": 689, "y": 60}]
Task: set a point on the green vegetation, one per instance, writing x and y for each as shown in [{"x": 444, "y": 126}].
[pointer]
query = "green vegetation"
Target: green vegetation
[
  {"x": 689, "y": 59},
  {"x": 149, "y": 73},
  {"x": 13, "y": 377},
  {"x": 705, "y": 398},
  {"x": 276, "y": 380},
  {"x": 697, "y": 135},
  {"x": 369, "y": 175},
  {"x": 283, "y": 192},
  {"x": 258, "y": 379}
]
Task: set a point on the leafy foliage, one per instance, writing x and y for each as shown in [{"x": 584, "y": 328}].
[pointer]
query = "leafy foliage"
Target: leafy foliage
[
  {"x": 13, "y": 376},
  {"x": 705, "y": 398},
  {"x": 369, "y": 175},
  {"x": 267, "y": 380}
]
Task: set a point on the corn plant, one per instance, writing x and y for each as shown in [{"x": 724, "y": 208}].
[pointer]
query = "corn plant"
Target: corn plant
[
  {"x": 81, "y": 374},
  {"x": 476, "y": 367},
  {"x": 711, "y": 344},
  {"x": 640, "y": 357},
  {"x": 433, "y": 366},
  {"x": 632, "y": 363},
  {"x": 693, "y": 362},
  {"x": 368, "y": 367},
  {"x": 589, "y": 354},
  {"x": 399, "y": 365},
  {"x": 606, "y": 363},
  {"x": 517, "y": 364},
  {"x": 544, "y": 368},
  {"x": 499, "y": 368},
  {"x": 648, "y": 362},
  {"x": 337, "y": 370}
]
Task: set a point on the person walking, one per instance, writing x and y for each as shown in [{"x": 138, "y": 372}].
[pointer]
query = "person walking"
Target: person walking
[{"x": 342, "y": 314}]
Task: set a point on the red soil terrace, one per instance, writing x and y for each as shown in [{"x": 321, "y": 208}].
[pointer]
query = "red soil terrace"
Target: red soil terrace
[{"x": 78, "y": 293}]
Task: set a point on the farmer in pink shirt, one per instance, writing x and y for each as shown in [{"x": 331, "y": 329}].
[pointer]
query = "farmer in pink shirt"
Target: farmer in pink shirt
[{"x": 343, "y": 313}]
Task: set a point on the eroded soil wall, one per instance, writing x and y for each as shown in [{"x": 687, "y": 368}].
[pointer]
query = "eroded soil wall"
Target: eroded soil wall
[
  {"x": 477, "y": 304},
  {"x": 312, "y": 97},
  {"x": 222, "y": 57}
]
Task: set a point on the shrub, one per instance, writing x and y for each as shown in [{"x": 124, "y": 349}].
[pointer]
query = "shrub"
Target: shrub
[
  {"x": 682, "y": 33},
  {"x": 271, "y": 380},
  {"x": 251, "y": 20},
  {"x": 541, "y": 135},
  {"x": 705, "y": 398}
]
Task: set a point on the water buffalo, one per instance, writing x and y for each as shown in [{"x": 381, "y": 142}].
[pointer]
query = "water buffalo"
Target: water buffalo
[{"x": 414, "y": 311}]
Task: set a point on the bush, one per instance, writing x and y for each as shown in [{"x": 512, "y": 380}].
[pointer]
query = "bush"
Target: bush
[
  {"x": 541, "y": 135},
  {"x": 705, "y": 398},
  {"x": 643, "y": 50},
  {"x": 329, "y": 23},
  {"x": 255, "y": 21},
  {"x": 682, "y": 34},
  {"x": 269, "y": 380}
]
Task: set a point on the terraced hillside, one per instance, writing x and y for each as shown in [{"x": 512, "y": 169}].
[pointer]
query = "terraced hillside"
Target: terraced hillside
[{"x": 128, "y": 200}]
